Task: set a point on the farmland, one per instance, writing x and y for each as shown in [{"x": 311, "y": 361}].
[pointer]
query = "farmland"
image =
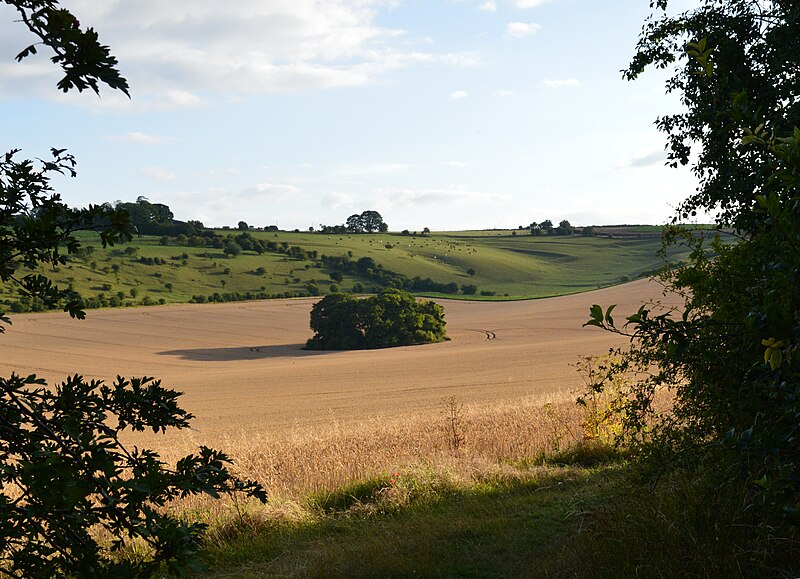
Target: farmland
[
  {"x": 497, "y": 264},
  {"x": 243, "y": 369},
  {"x": 315, "y": 426}
]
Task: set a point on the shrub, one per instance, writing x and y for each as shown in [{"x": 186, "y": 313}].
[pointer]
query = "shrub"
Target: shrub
[{"x": 68, "y": 472}]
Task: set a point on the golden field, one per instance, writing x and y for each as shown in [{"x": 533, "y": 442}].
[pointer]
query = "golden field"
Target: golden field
[{"x": 245, "y": 375}]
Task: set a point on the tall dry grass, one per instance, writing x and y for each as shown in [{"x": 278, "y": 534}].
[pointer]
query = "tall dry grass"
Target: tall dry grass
[{"x": 464, "y": 442}]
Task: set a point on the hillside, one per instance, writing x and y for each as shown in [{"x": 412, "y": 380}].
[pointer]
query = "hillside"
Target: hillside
[{"x": 497, "y": 264}]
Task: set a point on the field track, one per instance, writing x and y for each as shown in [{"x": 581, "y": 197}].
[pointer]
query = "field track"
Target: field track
[{"x": 242, "y": 368}]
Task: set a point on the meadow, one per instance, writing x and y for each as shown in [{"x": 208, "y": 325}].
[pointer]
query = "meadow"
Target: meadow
[{"x": 501, "y": 265}]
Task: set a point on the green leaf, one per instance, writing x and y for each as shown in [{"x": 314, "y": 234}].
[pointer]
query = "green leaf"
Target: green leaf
[{"x": 609, "y": 319}]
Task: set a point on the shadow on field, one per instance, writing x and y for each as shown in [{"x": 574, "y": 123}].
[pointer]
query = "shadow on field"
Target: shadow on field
[
  {"x": 497, "y": 529},
  {"x": 244, "y": 353}
]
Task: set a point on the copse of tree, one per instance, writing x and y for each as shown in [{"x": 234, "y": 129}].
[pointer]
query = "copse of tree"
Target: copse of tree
[
  {"x": 156, "y": 219},
  {"x": 391, "y": 318},
  {"x": 366, "y": 222},
  {"x": 564, "y": 228}
]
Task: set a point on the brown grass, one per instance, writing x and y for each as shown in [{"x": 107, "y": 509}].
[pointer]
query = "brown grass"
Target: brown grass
[{"x": 302, "y": 461}]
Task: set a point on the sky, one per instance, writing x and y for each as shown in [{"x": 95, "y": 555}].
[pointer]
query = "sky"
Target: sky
[{"x": 447, "y": 114}]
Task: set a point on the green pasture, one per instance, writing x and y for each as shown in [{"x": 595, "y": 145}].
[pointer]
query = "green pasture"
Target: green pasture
[{"x": 509, "y": 264}]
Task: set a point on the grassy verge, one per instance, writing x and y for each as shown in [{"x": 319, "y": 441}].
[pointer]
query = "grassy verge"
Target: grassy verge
[
  {"x": 504, "y": 490},
  {"x": 421, "y": 523},
  {"x": 546, "y": 520}
]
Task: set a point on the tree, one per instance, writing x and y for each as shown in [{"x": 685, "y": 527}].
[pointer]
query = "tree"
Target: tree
[
  {"x": 63, "y": 469},
  {"x": 371, "y": 222},
  {"x": 242, "y": 225},
  {"x": 471, "y": 271},
  {"x": 148, "y": 218},
  {"x": 354, "y": 224},
  {"x": 391, "y": 318},
  {"x": 732, "y": 356},
  {"x": 737, "y": 63},
  {"x": 232, "y": 248},
  {"x": 36, "y": 227},
  {"x": 564, "y": 228}
]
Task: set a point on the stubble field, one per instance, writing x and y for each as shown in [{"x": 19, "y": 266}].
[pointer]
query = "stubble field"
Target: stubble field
[{"x": 244, "y": 372}]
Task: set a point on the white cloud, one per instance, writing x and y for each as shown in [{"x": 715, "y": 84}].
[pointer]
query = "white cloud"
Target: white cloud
[
  {"x": 654, "y": 158},
  {"x": 490, "y": 6},
  {"x": 157, "y": 173},
  {"x": 371, "y": 169},
  {"x": 338, "y": 200},
  {"x": 272, "y": 189},
  {"x": 503, "y": 93},
  {"x": 171, "y": 52},
  {"x": 137, "y": 138},
  {"x": 524, "y": 4},
  {"x": 560, "y": 83},
  {"x": 522, "y": 29},
  {"x": 458, "y": 95},
  {"x": 455, "y": 195},
  {"x": 455, "y": 164}
]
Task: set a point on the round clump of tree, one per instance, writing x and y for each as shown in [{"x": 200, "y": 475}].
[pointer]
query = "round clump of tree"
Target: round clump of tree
[{"x": 391, "y": 318}]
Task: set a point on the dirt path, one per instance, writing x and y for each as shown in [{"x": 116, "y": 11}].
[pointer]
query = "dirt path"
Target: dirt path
[{"x": 242, "y": 367}]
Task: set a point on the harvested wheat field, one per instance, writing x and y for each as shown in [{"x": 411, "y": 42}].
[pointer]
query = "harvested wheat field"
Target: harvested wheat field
[{"x": 244, "y": 372}]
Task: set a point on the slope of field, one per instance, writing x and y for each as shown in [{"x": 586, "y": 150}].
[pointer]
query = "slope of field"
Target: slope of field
[
  {"x": 503, "y": 263},
  {"x": 243, "y": 370}
]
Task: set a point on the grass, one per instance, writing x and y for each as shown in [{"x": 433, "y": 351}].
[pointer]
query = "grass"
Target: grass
[
  {"x": 507, "y": 266},
  {"x": 517, "y": 489},
  {"x": 500, "y": 528},
  {"x": 480, "y": 490}
]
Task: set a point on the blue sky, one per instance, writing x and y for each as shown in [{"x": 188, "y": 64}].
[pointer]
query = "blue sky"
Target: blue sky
[{"x": 448, "y": 114}]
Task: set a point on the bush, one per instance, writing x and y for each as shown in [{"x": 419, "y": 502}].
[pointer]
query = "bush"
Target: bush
[
  {"x": 391, "y": 318},
  {"x": 65, "y": 471}
]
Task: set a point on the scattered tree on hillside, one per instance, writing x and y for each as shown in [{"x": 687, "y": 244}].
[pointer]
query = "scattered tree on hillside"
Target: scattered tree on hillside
[
  {"x": 64, "y": 474},
  {"x": 354, "y": 224},
  {"x": 366, "y": 222},
  {"x": 564, "y": 228},
  {"x": 732, "y": 356},
  {"x": 372, "y": 222},
  {"x": 391, "y": 318},
  {"x": 232, "y": 249}
]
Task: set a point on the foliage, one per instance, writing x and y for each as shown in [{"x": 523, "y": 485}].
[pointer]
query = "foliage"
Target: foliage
[
  {"x": 65, "y": 476},
  {"x": 391, "y": 318},
  {"x": 65, "y": 473},
  {"x": 156, "y": 219},
  {"x": 366, "y": 222},
  {"x": 736, "y": 66},
  {"x": 36, "y": 227},
  {"x": 83, "y": 59},
  {"x": 732, "y": 355}
]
